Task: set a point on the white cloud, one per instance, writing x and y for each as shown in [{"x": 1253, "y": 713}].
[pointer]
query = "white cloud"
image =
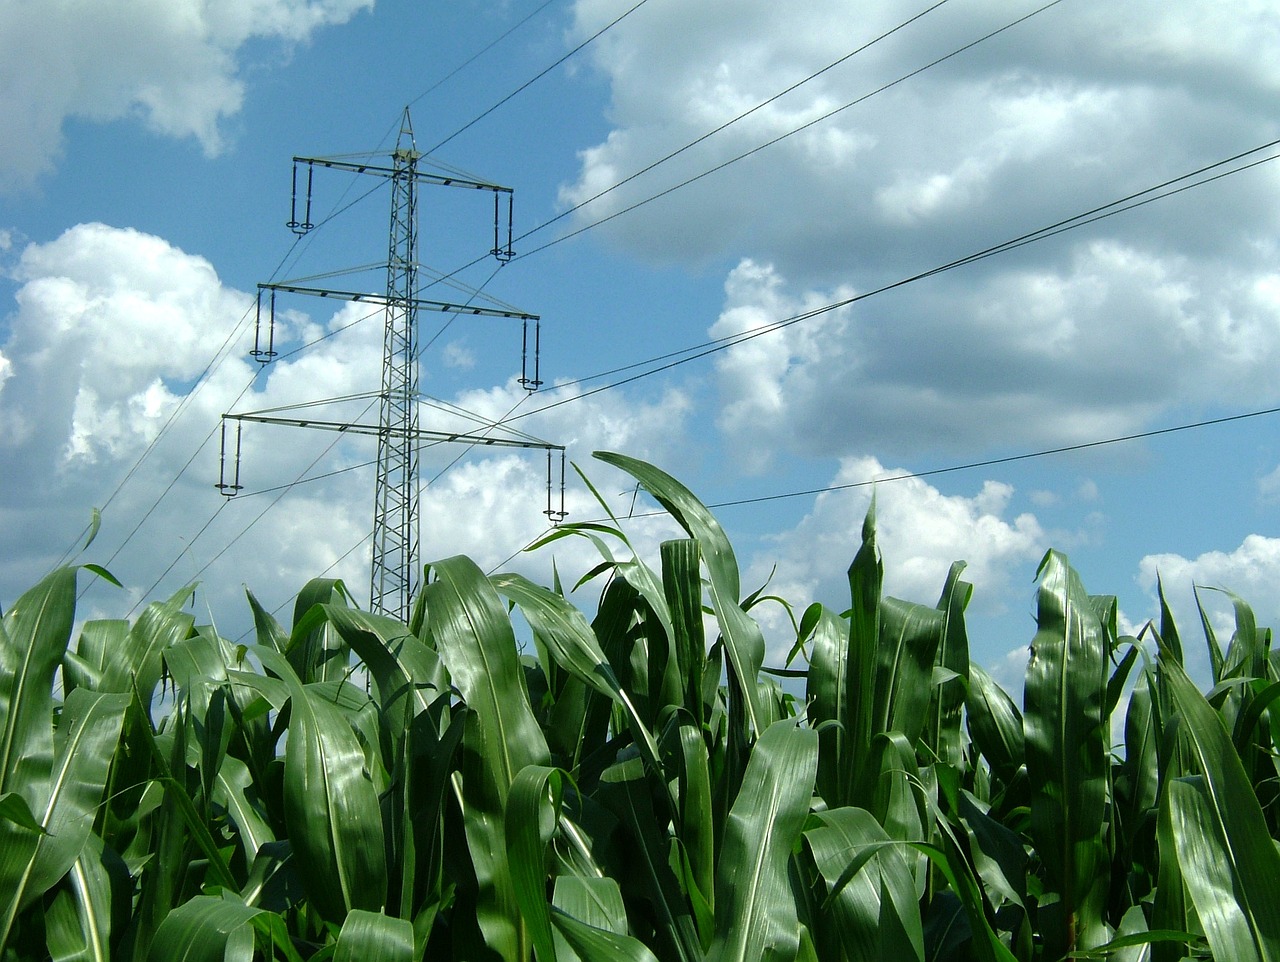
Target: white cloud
[
  {"x": 111, "y": 329},
  {"x": 1027, "y": 357},
  {"x": 920, "y": 532},
  {"x": 171, "y": 63},
  {"x": 1097, "y": 333},
  {"x": 1250, "y": 571}
]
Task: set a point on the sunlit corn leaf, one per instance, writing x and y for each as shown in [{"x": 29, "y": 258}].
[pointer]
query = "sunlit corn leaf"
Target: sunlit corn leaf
[
  {"x": 682, "y": 584},
  {"x": 594, "y": 944},
  {"x": 1216, "y": 659},
  {"x": 1066, "y": 751},
  {"x": 205, "y": 929},
  {"x": 98, "y": 643},
  {"x": 87, "y": 733},
  {"x": 756, "y": 915},
  {"x": 401, "y": 666},
  {"x": 316, "y": 648},
  {"x": 696, "y": 826},
  {"x": 372, "y": 937},
  {"x": 474, "y": 637},
  {"x": 995, "y": 723},
  {"x": 744, "y": 642},
  {"x": 910, "y": 635},
  {"x": 590, "y": 900},
  {"x": 1213, "y": 885},
  {"x": 139, "y": 664},
  {"x": 870, "y": 906},
  {"x": 942, "y": 736},
  {"x": 82, "y": 921},
  {"x": 34, "y": 635},
  {"x": 1232, "y": 810},
  {"x": 574, "y": 646},
  {"x": 235, "y": 790},
  {"x": 827, "y": 691},
  {"x": 533, "y": 809},
  {"x": 331, "y": 806}
]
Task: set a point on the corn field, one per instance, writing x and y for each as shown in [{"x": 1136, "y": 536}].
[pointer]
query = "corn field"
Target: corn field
[{"x": 634, "y": 786}]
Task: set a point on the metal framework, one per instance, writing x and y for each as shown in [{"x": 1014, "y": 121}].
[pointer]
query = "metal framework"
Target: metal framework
[
  {"x": 397, "y": 537},
  {"x": 396, "y": 517}
]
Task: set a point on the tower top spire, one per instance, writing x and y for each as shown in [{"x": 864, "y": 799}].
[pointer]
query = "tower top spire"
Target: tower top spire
[{"x": 406, "y": 146}]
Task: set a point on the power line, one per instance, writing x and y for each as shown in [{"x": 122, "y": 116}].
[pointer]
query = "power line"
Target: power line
[
  {"x": 481, "y": 52},
  {"x": 729, "y": 123},
  {"x": 790, "y": 133},
  {"x": 1132, "y": 201},
  {"x": 1009, "y": 459},
  {"x": 538, "y": 76}
]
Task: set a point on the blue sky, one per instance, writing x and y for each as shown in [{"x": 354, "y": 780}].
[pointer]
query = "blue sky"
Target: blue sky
[{"x": 144, "y": 182}]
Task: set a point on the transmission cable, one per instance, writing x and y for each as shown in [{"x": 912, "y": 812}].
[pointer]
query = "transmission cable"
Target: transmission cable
[
  {"x": 538, "y": 76},
  {"x": 729, "y": 123},
  {"x": 1138, "y": 199},
  {"x": 480, "y": 53},
  {"x": 790, "y": 133}
]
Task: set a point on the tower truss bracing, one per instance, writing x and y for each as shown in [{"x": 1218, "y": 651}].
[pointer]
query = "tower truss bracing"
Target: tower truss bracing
[{"x": 396, "y": 519}]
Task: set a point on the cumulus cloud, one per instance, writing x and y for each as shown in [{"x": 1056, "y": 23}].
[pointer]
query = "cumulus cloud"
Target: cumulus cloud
[
  {"x": 1093, "y": 334},
  {"x": 124, "y": 351},
  {"x": 171, "y": 63},
  {"x": 1027, "y": 357},
  {"x": 920, "y": 532},
  {"x": 1250, "y": 571}
]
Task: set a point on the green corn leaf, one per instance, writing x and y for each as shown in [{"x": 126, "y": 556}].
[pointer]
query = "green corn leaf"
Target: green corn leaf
[
  {"x": 1233, "y": 811},
  {"x": 866, "y": 579},
  {"x": 99, "y": 641},
  {"x": 34, "y": 635},
  {"x": 910, "y": 635},
  {"x": 14, "y": 808},
  {"x": 139, "y": 663},
  {"x": 533, "y": 809},
  {"x": 696, "y": 824},
  {"x": 1066, "y": 751},
  {"x": 79, "y": 925},
  {"x": 205, "y": 929},
  {"x": 744, "y": 642},
  {"x": 235, "y": 791},
  {"x": 625, "y": 791},
  {"x": 1213, "y": 885},
  {"x": 682, "y": 585},
  {"x": 594, "y": 944},
  {"x": 995, "y": 724},
  {"x": 87, "y": 734},
  {"x": 371, "y": 937},
  {"x": 946, "y": 703},
  {"x": 756, "y": 915},
  {"x": 827, "y": 693},
  {"x": 1141, "y": 765},
  {"x": 316, "y": 648},
  {"x": 474, "y": 637},
  {"x": 871, "y": 907},
  {"x": 331, "y": 806},
  {"x": 573, "y": 644},
  {"x": 594, "y": 900}
]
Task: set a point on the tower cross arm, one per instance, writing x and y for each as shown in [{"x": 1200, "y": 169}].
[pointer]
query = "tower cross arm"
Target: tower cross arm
[
  {"x": 420, "y": 434},
  {"x": 443, "y": 307},
  {"x": 422, "y": 176}
]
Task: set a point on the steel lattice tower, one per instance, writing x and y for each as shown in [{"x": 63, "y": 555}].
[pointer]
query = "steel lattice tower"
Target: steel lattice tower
[
  {"x": 396, "y": 514},
  {"x": 396, "y": 563}
]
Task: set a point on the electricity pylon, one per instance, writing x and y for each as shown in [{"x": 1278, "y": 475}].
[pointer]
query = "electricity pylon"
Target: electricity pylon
[{"x": 396, "y": 560}]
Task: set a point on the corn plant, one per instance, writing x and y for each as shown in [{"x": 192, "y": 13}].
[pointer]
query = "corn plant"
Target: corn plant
[{"x": 632, "y": 783}]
